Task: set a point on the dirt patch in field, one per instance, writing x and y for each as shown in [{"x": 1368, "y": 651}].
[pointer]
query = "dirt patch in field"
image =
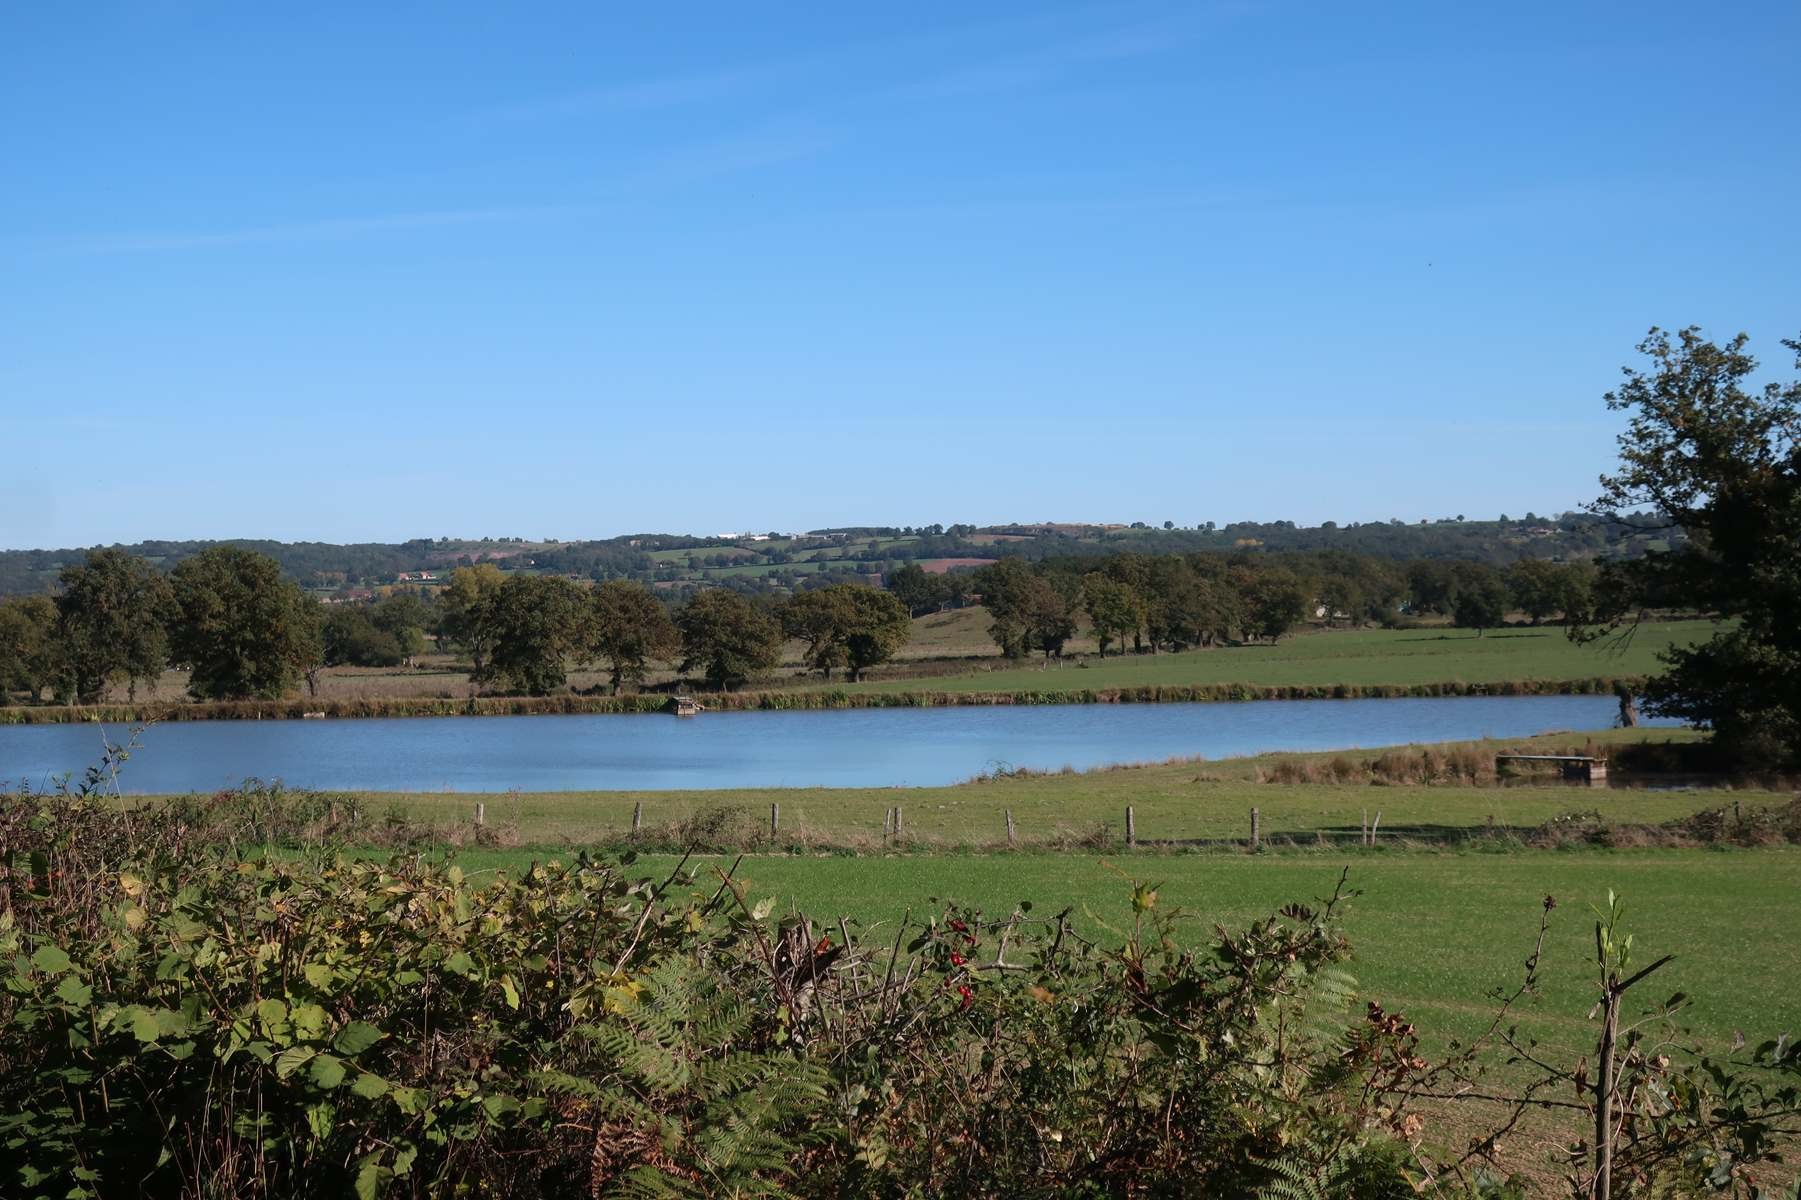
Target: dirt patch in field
[{"x": 940, "y": 566}]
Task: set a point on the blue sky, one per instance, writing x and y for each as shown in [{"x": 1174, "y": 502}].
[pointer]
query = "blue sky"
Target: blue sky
[{"x": 368, "y": 272}]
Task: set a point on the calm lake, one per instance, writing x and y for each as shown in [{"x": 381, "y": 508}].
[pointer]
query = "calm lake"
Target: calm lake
[{"x": 878, "y": 747}]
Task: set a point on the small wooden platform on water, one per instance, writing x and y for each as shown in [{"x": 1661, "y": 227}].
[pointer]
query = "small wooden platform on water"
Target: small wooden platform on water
[
  {"x": 686, "y": 706},
  {"x": 1575, "y": 766}
]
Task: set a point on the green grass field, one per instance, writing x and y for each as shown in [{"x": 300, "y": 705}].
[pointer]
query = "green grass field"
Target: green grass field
[
  {"x": 1354, "y": 657},
  {"x": 1173, "y": 801},
  {"x": 1437, "y": 931}
]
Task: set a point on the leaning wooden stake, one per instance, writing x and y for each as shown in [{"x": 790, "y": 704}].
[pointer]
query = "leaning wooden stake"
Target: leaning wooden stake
[
  {"x": 1256, "y": 833},
  {"x": 1131, "y": 827},
  {"x": 637, "y": 816},
  {"x": 1010, "y": 831},
  {"x": 1375, "y": 826}
]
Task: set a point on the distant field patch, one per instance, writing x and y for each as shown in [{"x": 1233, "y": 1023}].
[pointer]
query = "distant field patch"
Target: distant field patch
[{"x": 939, "y": 566}]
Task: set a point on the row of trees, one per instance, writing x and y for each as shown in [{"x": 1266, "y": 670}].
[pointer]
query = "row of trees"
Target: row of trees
[
  {"x": 1177, "y": 601},
  {"x": 229, "y": 617}
]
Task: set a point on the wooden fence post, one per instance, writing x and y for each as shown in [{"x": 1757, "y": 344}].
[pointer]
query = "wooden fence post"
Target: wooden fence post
[
  {"x": 887, "y": 823},
  {"x": 1364, "y": 837},
  {"x": 775, "y": 819},
  {"x": 481, "y": 813},
  {"x": 1375, "y": 826},
  {"x": 637, "y": 816},
  {"x": 1256, "y": 833},
  {"x": 897, "y": 822},
  {"x": 1010, "y": 833},
  {"x": 1131, "y": 827}
]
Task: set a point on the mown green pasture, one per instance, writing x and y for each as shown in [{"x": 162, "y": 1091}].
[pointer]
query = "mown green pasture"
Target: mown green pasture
[
  {"x": 1435, "y": 932},
  {"x": 1363, "y": 657}
]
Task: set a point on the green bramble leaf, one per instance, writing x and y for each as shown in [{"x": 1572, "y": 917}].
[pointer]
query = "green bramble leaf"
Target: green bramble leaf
[
  {"x": 369, "y": 1086},
  {"x": 326, "y": 1070},
  {"x": 291, "y": 1060},
  {"x": 51, "y": 960},
  {"x": 356, "y": 1037}
]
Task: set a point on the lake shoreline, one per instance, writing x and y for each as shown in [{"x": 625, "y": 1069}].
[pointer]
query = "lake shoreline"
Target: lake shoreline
[{"x": 149, "y": 712}]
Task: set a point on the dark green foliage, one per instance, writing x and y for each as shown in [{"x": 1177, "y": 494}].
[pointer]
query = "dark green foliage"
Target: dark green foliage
[
  {"x": 726, "y": 638},
  {"x": 1540, "y": 588},
  {"x": 539, "y": 624},
  {"x": 404, "y": 617},
  {"x": 30, "y": 652},
  {"x": 241, "y": 629},
  {"x": 628, "y": 628},
  {"x": 847, "y": 625},
  {"x": 113, "y": 615},
  {"x": 352, "y": 638},
  {"x": 1116, "y": 610},
  {"x": 1480, "y": 601},
  {"x": 919, "y": 591},
  {"x": 1710, "y": 455},
  {"x": 467, "y": 615},
  {"x": 1275, "y": 600}
]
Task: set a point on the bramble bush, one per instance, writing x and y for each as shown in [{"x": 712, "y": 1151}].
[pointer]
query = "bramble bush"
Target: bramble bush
[{"x": 185, "y": 1014}]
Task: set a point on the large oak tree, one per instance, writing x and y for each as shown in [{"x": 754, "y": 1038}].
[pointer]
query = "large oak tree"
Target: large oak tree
[{"x": 1719, "y": 459}]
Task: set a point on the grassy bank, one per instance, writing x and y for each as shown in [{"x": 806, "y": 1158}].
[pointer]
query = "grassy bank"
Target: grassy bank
[
  {"x": 1346, "y": 664},
  {"x": 1184, "y": 801},
  {"x": 792, "y": 700}
]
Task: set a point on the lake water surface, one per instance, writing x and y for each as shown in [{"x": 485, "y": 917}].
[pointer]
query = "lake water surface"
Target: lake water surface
[{"x": 873, "y": 747}]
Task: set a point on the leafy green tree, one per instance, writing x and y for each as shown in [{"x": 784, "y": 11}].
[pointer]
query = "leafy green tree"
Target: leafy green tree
[
  {"x": 1719, "y": 462},
  {"x": 1050, "y": 615},
  {"x": 1116, "y": 611},
  {"x": 466, "y": 614},
  {"x": 352, "y": 638},
  {"x": 726, "y": 637},
  {"x": 404, "y": 617},
  {"x": 1541, "y": 588},
  {"x": 847, "y": 625},
  {"x": 879, "y": 626},
  {"x": 1431, "y": 586},
  {"x": 1275, "y": 603},
  {"x": 819, "y": 619},
  {"x": 921, "y": 591},
  {"x": 241, "y": 629},
  {"x": 629, "y": 627},
  {"x": 112, "y": 619},
  {"x": 540, "y": 623},
  {"x": 1006, "y": 587},
  {"x": 1480, "y": 598},
  {"x": 30, "y": 652},
  {"x": 1186, "y": 608}
]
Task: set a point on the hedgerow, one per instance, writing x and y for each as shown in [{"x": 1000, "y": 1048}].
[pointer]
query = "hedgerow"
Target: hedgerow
[{"x": 216, "y": 1001}]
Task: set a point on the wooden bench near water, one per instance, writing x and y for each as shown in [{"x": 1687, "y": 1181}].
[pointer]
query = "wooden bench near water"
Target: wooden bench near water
[{"x": 1575, "y": 766}]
